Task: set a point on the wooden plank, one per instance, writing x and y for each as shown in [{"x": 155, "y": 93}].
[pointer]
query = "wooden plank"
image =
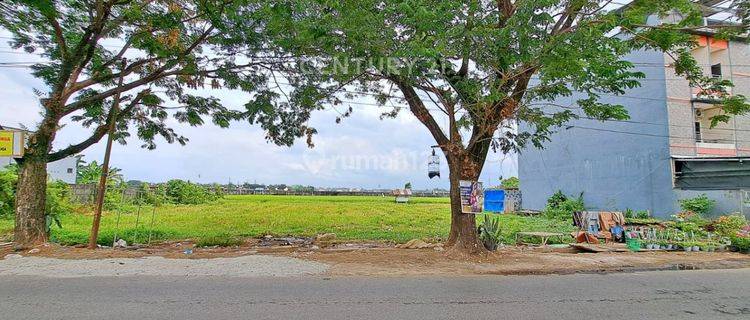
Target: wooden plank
[{"x": 596, "y": 248}]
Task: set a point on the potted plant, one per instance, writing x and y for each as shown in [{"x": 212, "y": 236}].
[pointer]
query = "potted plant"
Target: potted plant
[
  {"x": 663, "y": 244},
  {"x": 710, "y": 247},
  {"x": 687, "y": 246},
  {"x": 723, "y": 243},
  {"x": 697, "y": 246}
]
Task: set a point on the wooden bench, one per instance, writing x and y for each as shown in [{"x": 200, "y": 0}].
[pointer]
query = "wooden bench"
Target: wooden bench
[{"x": 544, "y": 236}]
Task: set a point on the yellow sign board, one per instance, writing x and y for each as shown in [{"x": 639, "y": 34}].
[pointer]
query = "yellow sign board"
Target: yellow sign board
[{"x": 6, "y": 143}]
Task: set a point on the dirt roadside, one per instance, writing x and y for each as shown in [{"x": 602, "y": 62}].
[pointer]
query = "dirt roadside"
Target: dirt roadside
[
  {"x": 409, "y": 262},
  {"x": 373, "y": 259}
]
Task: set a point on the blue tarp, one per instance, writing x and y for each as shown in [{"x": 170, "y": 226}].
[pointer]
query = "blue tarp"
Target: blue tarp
[{"x": 494, "y": 200}]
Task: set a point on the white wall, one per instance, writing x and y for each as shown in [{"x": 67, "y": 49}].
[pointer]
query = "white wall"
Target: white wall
[{"x": 64, "y": 169}]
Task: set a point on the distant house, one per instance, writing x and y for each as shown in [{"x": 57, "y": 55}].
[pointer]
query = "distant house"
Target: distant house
[{"x": 402, "y": 195}]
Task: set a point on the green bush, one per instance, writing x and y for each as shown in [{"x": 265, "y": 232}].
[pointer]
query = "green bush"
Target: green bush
[
  {"x": 559, "y": 206},
  {"x": 629, "y": 214},
  {"x": 156, "y": 196},
  {"x": 556, "y": 199},
  {"x": 185, "y": 192},
  {"x": 8, "y": 180},
  {"x": 114, "y": 198},
  {"x": 510, "y": 183},
  {"x": 690, "y": 227},
  {"x": 642, "y": 214},
  {"x": 57, "y": 203},
  {"x": 727, "y": 226},
  {"x": 58, "y": 198},
  {"x": 701, "y": 204},
  {"x": 741, "y": 243}
]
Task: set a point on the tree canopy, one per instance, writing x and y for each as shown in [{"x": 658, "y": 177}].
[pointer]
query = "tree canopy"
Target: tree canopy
[
  {"x": 481, "y": 63},
  {"x": 164, "y": 49}
]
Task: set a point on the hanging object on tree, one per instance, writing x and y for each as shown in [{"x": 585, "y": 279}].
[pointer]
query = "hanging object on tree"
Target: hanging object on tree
[{"x": 433, "y": 165}]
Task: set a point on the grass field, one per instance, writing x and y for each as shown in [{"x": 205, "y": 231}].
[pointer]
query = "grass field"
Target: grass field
[{"x": 350, "y": 218}]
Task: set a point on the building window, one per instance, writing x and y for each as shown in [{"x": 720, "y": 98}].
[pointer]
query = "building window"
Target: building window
[
  {"x": 716, "y": 70},
  {"x": 698, "y": 137},
  {"x": 70, "y": 170}
]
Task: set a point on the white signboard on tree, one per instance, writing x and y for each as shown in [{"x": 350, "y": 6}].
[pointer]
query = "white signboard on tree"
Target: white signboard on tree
[{"x": 472, "y": 196}]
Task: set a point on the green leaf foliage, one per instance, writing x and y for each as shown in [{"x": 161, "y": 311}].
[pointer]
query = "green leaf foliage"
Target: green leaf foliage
[
  {"x": 701, "y": 205},
  {"x": 483, "y": 63},
  {"x": 166, "y": 52}
]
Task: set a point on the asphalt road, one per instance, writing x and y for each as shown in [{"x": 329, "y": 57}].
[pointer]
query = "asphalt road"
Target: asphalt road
[{"x": 716, "y": 294}]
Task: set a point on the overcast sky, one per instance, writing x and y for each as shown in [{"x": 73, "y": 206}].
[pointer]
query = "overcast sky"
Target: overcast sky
[{"x": 361, "y": 151}]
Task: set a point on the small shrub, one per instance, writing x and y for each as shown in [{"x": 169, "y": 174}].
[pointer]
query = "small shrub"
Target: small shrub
[
  {"x": 113, "y": 196},
  {"x": 728, "y": 226},
  {"x": 701, "y": 205},
  {"x": 556, "y": 199},
  {"x": 57, "y": 203},
  {"x": 185, "y": 192},
  {"x": 156, "y": 196},
  {"x": 741, "y": 243},
  {"x": 642, "y": 214},
  {"x": 629, "y": 214},
  {"x": 489, "y": 232},
  {"x": 510, "y": 183},
  {"x": 690, "y": 228},
  {"x": 561, "y": 207},
  {"x": 8, "y": 180}
]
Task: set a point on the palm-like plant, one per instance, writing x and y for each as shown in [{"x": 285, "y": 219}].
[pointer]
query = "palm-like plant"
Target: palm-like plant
[
  {"x": 90, "y": 173},
  {"x": 489, "y": 232}
]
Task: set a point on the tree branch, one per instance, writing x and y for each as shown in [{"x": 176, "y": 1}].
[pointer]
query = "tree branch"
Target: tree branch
[
  {"x": 58, "y": 36},
  {"x": 156, "y": 75},
  {"x": 99, "y": 132},
  {"x": 420, "y": 111}
]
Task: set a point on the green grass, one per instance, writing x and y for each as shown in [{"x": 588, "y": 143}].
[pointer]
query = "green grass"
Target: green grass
[
  {"x": 224, "y": 221},
  {"x": 6, "y": 229}
]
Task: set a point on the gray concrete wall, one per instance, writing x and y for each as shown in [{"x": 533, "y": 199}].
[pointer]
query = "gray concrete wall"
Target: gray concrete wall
[
  {"x": 617, "y": 165},
  {"x": 727, "y": 201}
]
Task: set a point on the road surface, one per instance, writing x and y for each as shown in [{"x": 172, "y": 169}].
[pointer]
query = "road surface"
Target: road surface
[{"x": 715, "y": 294}]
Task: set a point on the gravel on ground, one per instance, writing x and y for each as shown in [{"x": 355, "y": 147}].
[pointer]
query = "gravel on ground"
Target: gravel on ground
[{"x": 244, "y": 266}]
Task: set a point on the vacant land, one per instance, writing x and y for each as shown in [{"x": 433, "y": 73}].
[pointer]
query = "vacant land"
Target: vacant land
[{"x": 234, "y": 217}]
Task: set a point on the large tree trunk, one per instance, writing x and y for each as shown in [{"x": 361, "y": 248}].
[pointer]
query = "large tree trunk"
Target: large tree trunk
[
  {"x": 463, "y": 236},
  {"x": 30, "y": 203},
  {"x": 31, "y": 194}
]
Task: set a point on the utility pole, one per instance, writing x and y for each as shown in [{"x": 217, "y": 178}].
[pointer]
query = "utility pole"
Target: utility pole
[{"x": 102, "y": 189}]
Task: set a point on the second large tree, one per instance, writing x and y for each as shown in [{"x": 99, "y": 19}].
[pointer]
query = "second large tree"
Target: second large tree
[{"x": 483, "y": 65}]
